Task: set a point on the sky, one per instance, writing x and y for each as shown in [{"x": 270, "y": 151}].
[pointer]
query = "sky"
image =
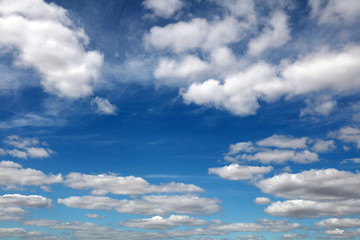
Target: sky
[{"x": 179, "y": 119}]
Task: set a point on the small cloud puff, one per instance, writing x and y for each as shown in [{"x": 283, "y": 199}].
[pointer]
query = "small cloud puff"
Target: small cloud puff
[{"x": 102, "y": 106}]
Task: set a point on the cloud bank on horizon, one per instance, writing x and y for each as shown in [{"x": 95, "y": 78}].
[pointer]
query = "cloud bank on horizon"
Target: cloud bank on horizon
[{"x": 178, "y": 119}]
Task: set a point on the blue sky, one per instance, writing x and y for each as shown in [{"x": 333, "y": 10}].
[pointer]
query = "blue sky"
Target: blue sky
[{"x": 176, "y": 119}]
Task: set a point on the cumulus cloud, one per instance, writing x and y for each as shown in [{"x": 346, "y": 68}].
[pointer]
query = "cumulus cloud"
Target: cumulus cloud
[
  {"x": 323, "y": 145},
  {"x": 335, "y": 12},
  {"x": 347, "y": 134},
  {"x": 196, "y": 34},
  {"x": 130, "y": 185},
  {"x": 293, "y": 236},
  {"x": 21, "y": 233},
  {"x": 158, "y": 222},
  {"x": 10, "y": 173},
  {"x": 276, "y": 34},
  {"x": 262, "y": 200},
  {"x": 315, "y": 72},
  {"x": 321, "y": 106},
  {"x": 310, "y": 209},
  {"x": 67, "y": 69},
  {"x": 332, "y": 223},
  {"x": 93, "y": 215},
  {"x": 102, "y": 106},
  {"x": 26, "y": 147},
  {"x": 324, "y": 184},
  {"x": 282, "y": 141},
  {"x": 342, "y": 234},
  {"x": 189, "y": 67},
  {"x": 18, "y": 200},
  {"x": 238, "y": 172},
  {"x": 282, "y": 156},
  {"x": 162, "y": 8},
  {"x": 11, "y": 213},
  {"x": 147, "y": 205}
]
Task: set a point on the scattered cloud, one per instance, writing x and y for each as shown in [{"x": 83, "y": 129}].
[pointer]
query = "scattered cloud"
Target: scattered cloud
[
  {"x": 130, "y": 185},
  {"x": 158, "y": 222},
  {"x": 238, "y": 172},
  {"x": 30, "y": 201},
  {"x": 332, "y": 223},
  {"x": 319, "y": 107},
  {"x": 293, "y": 236},
  {"x": 262, "y": 200},
  {"x": 323, "y": 145},
  {"x": 282, "y": 141},
  {"x": 66, "y": 67},
  {"x": 163, "y": 9},
  {"x": 347, "y": 134},
  {"x": 102, "y": 106}
]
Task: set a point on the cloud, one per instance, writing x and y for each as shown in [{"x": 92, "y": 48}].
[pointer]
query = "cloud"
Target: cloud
[
  {"x": 147, "y": 205},
  {"x": 195, "y": 34},
  {"x": 321, "y": 106},
  {"x": 158, "y": 222},
  {"x": 313, "y": 209},
  {"x": 163, "y": 9},
  {"x": 342, "y": 234},
  {"x": 238, "y": 172},
  {"x": 315, "y": 72},
  {"x": 103, "y": 106},
  {"x": 276, "y": 34},
  {"x": 27, "y": 147},
  {"x": 93, "y": 215},
  {"x": 282, "y": 141},
  {"x": 282, "y": 156},
  {"x": 262, "y": 200},
  {"x": 324, "y": 184},
  {"x": 10, "y": 173},
  {"x": 347, "y": 134},
  {"x": 323, "y": 146},
  {"x": 332, "y": 223},
  {"x": 21, "y": 233},
  {"x": 293, "y": 236},
  {"x": 18, "y": 200},
  {"x": 67, "y": 69},
  {"x": 335, "y": 12},
  {"x": 130, "y": 185},
  {"x": 11, "y": 213},
  {"x": 189, "y": 67}
]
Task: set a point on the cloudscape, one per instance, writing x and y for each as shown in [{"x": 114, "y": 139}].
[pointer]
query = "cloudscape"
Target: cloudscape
[{"x": 179, "y": 119}]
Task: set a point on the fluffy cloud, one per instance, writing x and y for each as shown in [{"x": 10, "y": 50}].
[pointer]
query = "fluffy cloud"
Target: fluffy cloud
[
  {"x": 282, "y": 156},
  {"x": 158, "y": 222},
  {"x": 282, "y": 141},
  {"x": 46, "y": 39},
  {"x": 323, "y": 146},
  {"x": 197, "y": 33},
  {"x": 10, "y": 173},
  {"x": 293, "y": 236},
  {"x": 321, "y": 106},
  {"x": 332, "y": 223},
  {"x": 342, "y": 234},
  {"x": 31, "y": 201},
  {"x": 189, "y": 67},
  {"x": 348, "y": 134},
  {"x": 325, "y": 184},
  {"x": 103, "y": 184},
  {"x": 310, "y": 73},
  {"x": 309, "y": 209},
  {"x": 21, "y": 233},
  {"x": 274, "y": 35},
  {"x": 163, "y": 8},
  {"x": 103, "y": 106},
  {"x": 147, "y": 205},
  {"x": 27, "y": 147},
  {"x": 335, "y": 12},
  {"x": 237, "y": 172},
  {"x": 262, "y": 200},
  {"x": 11, "y": 213}
]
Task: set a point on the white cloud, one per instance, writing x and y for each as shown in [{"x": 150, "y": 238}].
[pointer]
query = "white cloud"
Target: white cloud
[
  {"x": 189, "y": 67},
  {"x": 10, "y": 173},
  {"x": 281, "y": 141},
  {"x": 243, "y": 8},
  {"x": 238, "y": 172},
  {"x": 241, "y": 147},
  {"x": 11, "y": 213},
  {"x": 93, "y": 215},
  {"x": 335, "y": 12},
  {"x": 321, "y": 106},
  {"x": 17, "y": 153},
  {"x": 163, "y": 8},
  {"x": 342, "y": 234},
  {"x": 293, "y": 236},
  {"x": 347, "y": 134},
  {"x": 35, "y": 152},
  {"x": 262, "y": 200},
  {"x": 282, "y": 156},
  {"x": 196, "y": 34},
  {"x": 103, "y": 106},
  {"x": 314, "y": 72},
  {"x": 19, "y": 142},
  {"x": 147, "y": 205},
  {"x": 158, "y": 222},
  {"x": 341, "y": 223},
  {"x": 67, "y": 68},
  {"x": 276, "y": 34},
  {"x": 325, "y": 184},
  {"x": 18, "y": 200},
  {"x": 313, "y": 209},
  {"x": 20, "y": 233},
  {"x": 323, "y": 146},
  {"x": 130, "y": 185}
]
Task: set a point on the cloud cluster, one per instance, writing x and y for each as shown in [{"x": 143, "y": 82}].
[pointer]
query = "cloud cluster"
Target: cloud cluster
[
  {"x": 147, "y": 205},
  {"x": 19, "y": 147},
  {"x": 277, "y": 149},
  {"x": 163, "y": 9},
  {"x": 237, "y": 172}
]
